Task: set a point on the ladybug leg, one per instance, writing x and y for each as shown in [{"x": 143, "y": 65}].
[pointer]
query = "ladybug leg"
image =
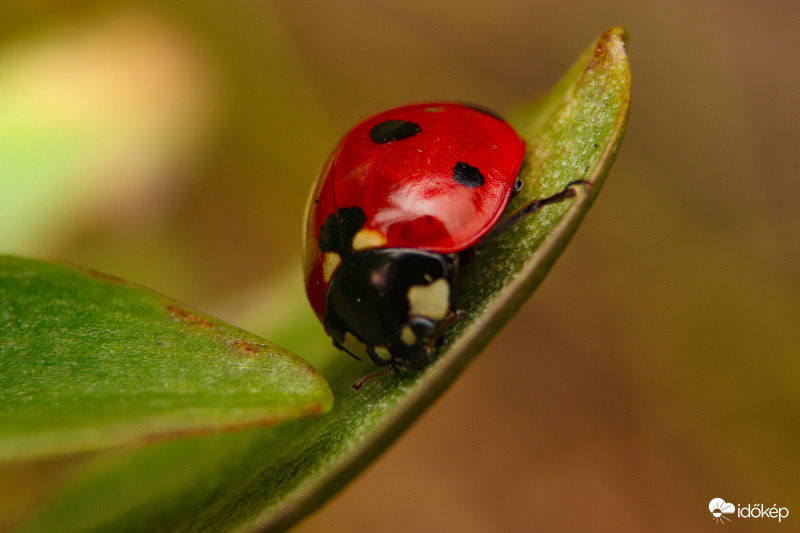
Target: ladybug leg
[
  {"x": 360, "y": 383},
  {"x": 534, "y": 206},
  {"x": 435, "y": 341},
  {"x": 438, "y": 339}
]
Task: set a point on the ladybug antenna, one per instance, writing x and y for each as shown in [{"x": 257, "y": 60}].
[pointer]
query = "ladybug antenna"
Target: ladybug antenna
[
  {"x": 534, "y": 206},
  {"x": 360, "y": 383}
]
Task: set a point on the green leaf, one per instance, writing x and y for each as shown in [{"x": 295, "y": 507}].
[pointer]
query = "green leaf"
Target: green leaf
[
  {"x": 267, "y": 479},
  {"x": 89, "y": 361}
]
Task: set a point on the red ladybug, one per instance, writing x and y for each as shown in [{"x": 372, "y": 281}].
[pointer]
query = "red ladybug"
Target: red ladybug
[{"x": 402, "y": 196}]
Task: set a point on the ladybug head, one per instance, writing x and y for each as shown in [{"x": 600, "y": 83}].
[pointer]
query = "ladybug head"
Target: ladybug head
[{"x": 388, "y": 305}]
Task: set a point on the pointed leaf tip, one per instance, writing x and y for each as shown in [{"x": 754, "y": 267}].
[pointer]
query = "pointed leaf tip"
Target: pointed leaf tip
[{"x": 268, "y": 480}]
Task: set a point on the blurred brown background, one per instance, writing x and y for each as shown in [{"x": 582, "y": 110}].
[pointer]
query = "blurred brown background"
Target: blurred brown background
[{"x": 173, "y": 143}]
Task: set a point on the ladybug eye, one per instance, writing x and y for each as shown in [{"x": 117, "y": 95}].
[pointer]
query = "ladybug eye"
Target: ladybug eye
[
  {"x": 467, "y": 175},
  {"x": 393, "y": 130}
]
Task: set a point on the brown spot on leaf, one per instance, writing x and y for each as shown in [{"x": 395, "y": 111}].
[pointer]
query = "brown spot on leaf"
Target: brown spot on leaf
[
  {"x": 180, "y": 312},
  {"x": 603, "y": 49},
  {"x": 248, "y": 348},
  {"x": 600, "y": 49},
  {"x": 312, "y": 409}
]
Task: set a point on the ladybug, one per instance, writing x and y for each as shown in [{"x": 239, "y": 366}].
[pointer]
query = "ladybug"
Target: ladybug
[{"x": 396, "y": 205}]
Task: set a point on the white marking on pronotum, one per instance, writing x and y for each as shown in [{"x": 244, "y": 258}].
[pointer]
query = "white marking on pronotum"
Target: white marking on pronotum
[
  {"x": 383, "y": 352},
  {"x": 368, "y": 238},
  {"x": 408, "y": 337},
  {"x": 330, "y": 262},
  {"x": 432, "y": 301}
]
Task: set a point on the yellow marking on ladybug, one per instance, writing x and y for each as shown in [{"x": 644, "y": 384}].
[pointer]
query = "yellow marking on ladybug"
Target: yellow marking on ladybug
[
  {"x": 383, "y": 352},
  {"x": 432, "y": 301},
  {"x": 356, "y": 348},
  {"x": 330, "y": 262},
  {"x": 368, "y": 238},
  {"x": 408, "y": 336}
]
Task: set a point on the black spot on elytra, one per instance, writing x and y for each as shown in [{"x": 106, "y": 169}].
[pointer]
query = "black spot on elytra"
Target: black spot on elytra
[
  {"x": 336, "y": 234},
  {"x": 329, "y": 238},
  {"x": 467, "y": 175},
  {"x": 393, "y": 130}
]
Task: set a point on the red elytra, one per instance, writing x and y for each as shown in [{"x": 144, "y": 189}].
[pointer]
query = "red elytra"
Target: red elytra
[{"x": 439, "y": 187}]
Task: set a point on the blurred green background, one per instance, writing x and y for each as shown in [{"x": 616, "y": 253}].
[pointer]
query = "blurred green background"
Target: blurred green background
[{"x": 173, "y": 143}]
